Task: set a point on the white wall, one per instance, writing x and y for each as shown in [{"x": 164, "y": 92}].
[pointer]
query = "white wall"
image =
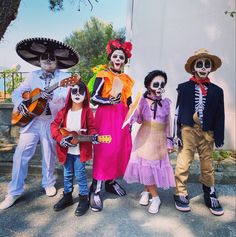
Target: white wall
[{"x": 165, "y": 33}]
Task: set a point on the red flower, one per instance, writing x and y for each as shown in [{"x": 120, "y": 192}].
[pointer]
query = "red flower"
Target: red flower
[
  {"x": 115, "y": 44},
  {"x": 127, "y": 47}
]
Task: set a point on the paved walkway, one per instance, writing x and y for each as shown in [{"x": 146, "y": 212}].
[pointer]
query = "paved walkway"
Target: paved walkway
[{"x": 33, "y": 214}]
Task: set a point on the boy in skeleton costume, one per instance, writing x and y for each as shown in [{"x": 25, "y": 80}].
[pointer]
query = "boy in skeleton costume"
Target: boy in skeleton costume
[
  {"x": 112, "y": 93},
  {"x": 50, "y": 55},
  {"x": 199, "y": 123}
]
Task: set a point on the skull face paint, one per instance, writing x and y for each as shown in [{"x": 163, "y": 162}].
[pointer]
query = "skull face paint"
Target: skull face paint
[
  {"x": 203, "y": 67},
  {"x": 117, "y": 59},
  {"x": 157, "y": 86},
  {"x": 48, "y": 62},
  {"x": 77, "y": 94}
]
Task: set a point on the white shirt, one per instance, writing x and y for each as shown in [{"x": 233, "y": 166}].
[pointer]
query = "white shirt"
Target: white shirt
[{"x": 73, "y": 123}]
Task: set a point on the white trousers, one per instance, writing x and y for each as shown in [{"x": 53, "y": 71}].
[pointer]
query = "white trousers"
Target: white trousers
[{"x": 38, "y": 131}]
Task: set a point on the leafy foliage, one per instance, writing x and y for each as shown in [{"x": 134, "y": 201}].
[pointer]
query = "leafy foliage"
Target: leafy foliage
[
  {"x": 220, "y": 155},
  {"x": 13, "y": 79},
  {"x": 58, "y": 5},
  {"x": 230, "y": 13},
  {"x": 90, "y": 43}
]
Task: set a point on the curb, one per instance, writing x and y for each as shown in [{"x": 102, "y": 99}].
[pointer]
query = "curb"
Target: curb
[{"x": 36, "y": 170}]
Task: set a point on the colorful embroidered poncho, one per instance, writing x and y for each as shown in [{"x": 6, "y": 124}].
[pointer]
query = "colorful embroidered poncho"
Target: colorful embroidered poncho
[{"x": 108, "y": 77}]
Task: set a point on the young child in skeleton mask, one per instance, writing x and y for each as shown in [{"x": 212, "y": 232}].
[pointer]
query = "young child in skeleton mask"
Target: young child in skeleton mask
[
  {"x": 199, "y": 123},
  {"x": 75, "y": 116},
  {"x": 149, "y": 163}
]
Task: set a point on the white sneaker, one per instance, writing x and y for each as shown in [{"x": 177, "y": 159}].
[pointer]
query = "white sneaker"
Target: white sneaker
[
  {"x": 8, "y": 201},
  {"x": 50, "y": 191},
  {"x": 154, "y": 207},
  {"x": 144, "y": 200}
]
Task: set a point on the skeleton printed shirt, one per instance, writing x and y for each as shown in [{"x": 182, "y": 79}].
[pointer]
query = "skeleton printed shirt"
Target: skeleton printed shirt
[{"x": 200, "y": 101}]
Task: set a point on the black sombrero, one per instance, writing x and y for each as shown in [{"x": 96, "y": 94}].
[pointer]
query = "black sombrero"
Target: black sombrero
[{"x": 31, "y": 49}]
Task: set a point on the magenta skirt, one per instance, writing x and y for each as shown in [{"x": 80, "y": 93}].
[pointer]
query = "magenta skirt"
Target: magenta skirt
[{"x": 110, "y": 160}]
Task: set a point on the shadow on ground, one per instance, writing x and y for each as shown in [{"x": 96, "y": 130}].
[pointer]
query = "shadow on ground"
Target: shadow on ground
[{"x": 33, "y": 214}]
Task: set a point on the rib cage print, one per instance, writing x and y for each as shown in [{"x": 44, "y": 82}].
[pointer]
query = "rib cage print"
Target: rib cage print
[{"x": 200, "y": 101}]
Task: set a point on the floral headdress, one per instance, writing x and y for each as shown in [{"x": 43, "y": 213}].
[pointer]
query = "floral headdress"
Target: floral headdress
[{"x": 117, "y": 44}]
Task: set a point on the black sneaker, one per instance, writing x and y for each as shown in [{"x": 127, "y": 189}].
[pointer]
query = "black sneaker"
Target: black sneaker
[
  {"x": 114, "y": 187},
  {"x": 182, "y": 203},
  {"x": 211, "y": 201},
  {"x": 96, "y": 203},
  {"x": 83, "y": 205}
]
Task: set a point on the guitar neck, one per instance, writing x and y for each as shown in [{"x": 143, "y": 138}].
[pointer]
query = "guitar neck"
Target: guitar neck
[
  {"x": 84, "y": 138},
  {"x": 48, "y": 90}
]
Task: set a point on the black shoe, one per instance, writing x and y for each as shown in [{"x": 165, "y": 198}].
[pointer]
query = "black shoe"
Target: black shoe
[
  {"x": 114, "y": 187},
  {"x": 211, "y": 201},
  {"x": 96, "y": 186},
  {"x": 96, "y": 202},
  {"x": 66, "y": 201},
  {"x": 182, "y": 203},
  {"x": 83, "y": 205}
]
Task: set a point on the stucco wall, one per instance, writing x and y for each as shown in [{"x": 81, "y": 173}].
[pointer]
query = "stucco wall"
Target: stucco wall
[{"x": 165, "y": 33}]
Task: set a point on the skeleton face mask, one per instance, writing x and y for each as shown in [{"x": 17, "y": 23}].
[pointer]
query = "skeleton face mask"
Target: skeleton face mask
[
  {"x": 117, "y": 59},
  {"x": 203, "y": 67},
  {"x": 77, "y": 94},
  {"x": 48, "y": 62},
  {"x": 157, "y": 86}
]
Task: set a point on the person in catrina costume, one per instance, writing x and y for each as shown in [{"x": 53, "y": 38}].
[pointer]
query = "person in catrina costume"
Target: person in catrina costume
[
  {"x": 199, "y": 123},
  {"x": 112, "y": 93}
]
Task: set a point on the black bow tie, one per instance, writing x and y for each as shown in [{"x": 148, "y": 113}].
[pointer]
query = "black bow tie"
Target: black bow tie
[
  {"x": 154, "y": 105},
  {"x": 46, "y": 75}
]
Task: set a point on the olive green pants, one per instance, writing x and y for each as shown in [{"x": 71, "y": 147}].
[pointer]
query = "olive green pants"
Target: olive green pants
[{"x": 194, "y": 139}]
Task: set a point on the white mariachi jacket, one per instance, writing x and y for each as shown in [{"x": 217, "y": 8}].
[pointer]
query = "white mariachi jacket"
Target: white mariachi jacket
[{"x": 34, "y": 81}]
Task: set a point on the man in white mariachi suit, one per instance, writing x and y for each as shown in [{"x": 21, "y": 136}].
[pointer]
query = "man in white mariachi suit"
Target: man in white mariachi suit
[{"x": 50, "y": 55}]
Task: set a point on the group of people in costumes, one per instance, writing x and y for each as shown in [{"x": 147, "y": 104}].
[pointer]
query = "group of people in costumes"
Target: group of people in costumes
[{"x": 198, "y": 124}]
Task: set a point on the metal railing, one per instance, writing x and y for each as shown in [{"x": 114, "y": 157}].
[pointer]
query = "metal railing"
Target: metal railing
[{"x": 8, "y": 83}]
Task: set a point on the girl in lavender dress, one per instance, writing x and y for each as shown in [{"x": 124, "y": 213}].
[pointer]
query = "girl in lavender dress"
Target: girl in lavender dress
[{"x": 149, "y": 163}]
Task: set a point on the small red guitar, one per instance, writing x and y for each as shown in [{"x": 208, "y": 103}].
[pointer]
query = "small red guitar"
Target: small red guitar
[
  {"x": 36, "y": 104},
  {"x": 83, "y": 138}
]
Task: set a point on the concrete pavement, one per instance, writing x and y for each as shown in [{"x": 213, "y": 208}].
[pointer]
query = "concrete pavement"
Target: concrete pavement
[{"x": 33, "y": 214}]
